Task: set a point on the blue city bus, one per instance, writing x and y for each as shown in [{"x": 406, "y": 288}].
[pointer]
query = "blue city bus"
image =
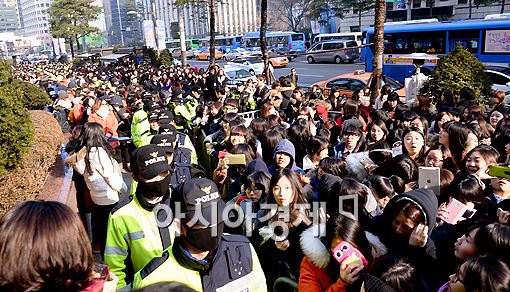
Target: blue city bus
[
  {"x": 223, "y": 43},
  {"x": 487, "y": 39},
  {"x": 289, "y": 41}
]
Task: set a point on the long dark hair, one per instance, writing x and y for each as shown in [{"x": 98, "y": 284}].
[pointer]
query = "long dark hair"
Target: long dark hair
[
  {"x": 485, "y": 273},
  {"x": 297, "y": 190},
  {"x": 457, "y": 135},
  {"x": 93, "y": 136},
  {"x": 347, "y": 229}
]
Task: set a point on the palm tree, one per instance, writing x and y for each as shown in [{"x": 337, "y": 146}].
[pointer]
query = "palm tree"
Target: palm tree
[{"x": 380, "y": 17}]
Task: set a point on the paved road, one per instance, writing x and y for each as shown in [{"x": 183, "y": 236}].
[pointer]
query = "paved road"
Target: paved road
[{"x": 308, "y": 73}]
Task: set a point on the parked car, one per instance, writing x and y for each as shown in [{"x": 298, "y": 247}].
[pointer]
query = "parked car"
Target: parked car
[
  {"x": 204, "y": 55},
  {"x": 176, "y": 53},
  {"x": 252, "y": 64},
  {"x": 338, "y": 51},
  {"x": 276, "y": 59},
  {"x": 347, "y": 83},
  {"x": 232, "y": 54},
  {"x": 500, "y": 77},
  {"x": 235, "y": 75}
]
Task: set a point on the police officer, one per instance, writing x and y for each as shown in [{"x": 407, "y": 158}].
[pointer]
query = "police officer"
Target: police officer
[
  {"x": 178, "y": 157},
  {"x": 133, "y": 235},
  {"x": 203, "y": 257}
]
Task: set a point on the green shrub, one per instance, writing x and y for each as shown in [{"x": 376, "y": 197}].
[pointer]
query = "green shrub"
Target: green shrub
[
  {"x": 456, "y": 70},
  {"x": 16, "y": 129},
  {"x": 165, "y": 58},
  {"x": 150, "y": 57},
  {"x": 33, "y": 97}
]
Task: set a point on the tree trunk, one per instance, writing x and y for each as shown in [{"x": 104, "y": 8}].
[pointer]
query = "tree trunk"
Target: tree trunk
[
  {"x": 408, "y": 8},
  {"x": 431, "y": 8},
  {"x": 380, "y": 17},
  {"x": 263, "y": 43},
  {"x": 72, "y": 47},
  {"x": 78, "y": 49},
  {"x": 182, "y": 36},
  {"x": 502, "y": 7},
  {"x": 470, "y": 8},
  {"x": 212, "y": 39}
]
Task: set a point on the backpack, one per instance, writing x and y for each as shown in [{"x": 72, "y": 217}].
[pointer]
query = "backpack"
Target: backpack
[{"x": 61, "y": 117}]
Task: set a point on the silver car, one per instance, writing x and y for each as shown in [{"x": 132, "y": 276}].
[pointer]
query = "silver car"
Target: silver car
[{"x": 338, "y": 51}]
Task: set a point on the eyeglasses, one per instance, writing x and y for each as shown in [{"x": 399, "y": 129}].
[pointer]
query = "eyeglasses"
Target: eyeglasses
[
  {"x": 433, "y": 160},
  {"x": 251, "y": 190}
]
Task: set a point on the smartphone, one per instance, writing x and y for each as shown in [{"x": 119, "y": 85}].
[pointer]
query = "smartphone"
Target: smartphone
[
  {"x": 346, "y": 254},
  {"x": 222, "y": 154},
  {"x": 234, "y": 159},
  {"x": 499, "y": 171},
  {"x": 430, "y": 178}
]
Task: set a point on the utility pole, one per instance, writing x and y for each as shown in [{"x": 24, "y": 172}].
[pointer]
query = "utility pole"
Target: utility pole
[{"x": 182, "y": 35}]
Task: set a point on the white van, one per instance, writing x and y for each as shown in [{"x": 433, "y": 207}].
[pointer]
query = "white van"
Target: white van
[{"x": 347, "y": 36}]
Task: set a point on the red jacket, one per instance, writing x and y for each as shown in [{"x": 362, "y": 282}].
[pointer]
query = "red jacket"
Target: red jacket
[{"x": 315, "y": 279}]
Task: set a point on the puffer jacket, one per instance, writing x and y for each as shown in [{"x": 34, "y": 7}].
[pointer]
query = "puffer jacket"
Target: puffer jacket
[{"x": 105, "y": 182}]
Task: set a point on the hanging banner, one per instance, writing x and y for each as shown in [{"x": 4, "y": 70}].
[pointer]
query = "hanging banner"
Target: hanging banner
[
  {"x": 161, "y": 34},
  {"x": 148, "y": 32}
]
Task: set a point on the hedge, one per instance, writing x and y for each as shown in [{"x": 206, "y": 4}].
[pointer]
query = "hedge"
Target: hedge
[
  {"x": 33, "y": 97},
  {"x": 16, "y": 130},
  {"x": 26, "y": 180}
]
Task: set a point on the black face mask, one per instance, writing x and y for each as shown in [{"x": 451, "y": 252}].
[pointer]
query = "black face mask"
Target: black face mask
[
  {"x": 202, "y": 239},
  {"x": 156, "y": 189}
]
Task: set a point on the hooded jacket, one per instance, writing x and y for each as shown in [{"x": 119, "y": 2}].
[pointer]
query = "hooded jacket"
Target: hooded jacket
[
  {"x": 423, "y": 258},
  {"x": 285, "y": 146}
]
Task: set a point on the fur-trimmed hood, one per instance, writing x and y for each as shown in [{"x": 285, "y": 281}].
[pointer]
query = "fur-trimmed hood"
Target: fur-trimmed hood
[
  {"x": 355, "y": 164},
  {"x": 312, "y": 246},
  {"x": 318, "y": 253}
]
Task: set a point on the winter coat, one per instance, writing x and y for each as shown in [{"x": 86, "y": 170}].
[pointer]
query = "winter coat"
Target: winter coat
[
  {"x": 423, "y": 258},
  {"x": 316, "y": 272},
  {"x": 105, "y": 182},
  {"x": 313, "y": 273}
]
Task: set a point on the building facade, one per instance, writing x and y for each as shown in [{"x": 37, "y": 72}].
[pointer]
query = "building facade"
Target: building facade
[
  {"x": 33, "y": 17},
  {"x": 8, "y": 16},
  {"x": 233, "y": 17}
]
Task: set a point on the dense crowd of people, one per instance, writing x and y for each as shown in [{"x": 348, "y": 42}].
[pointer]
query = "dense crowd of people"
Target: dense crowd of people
[{"x": 335, "y": 193}]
